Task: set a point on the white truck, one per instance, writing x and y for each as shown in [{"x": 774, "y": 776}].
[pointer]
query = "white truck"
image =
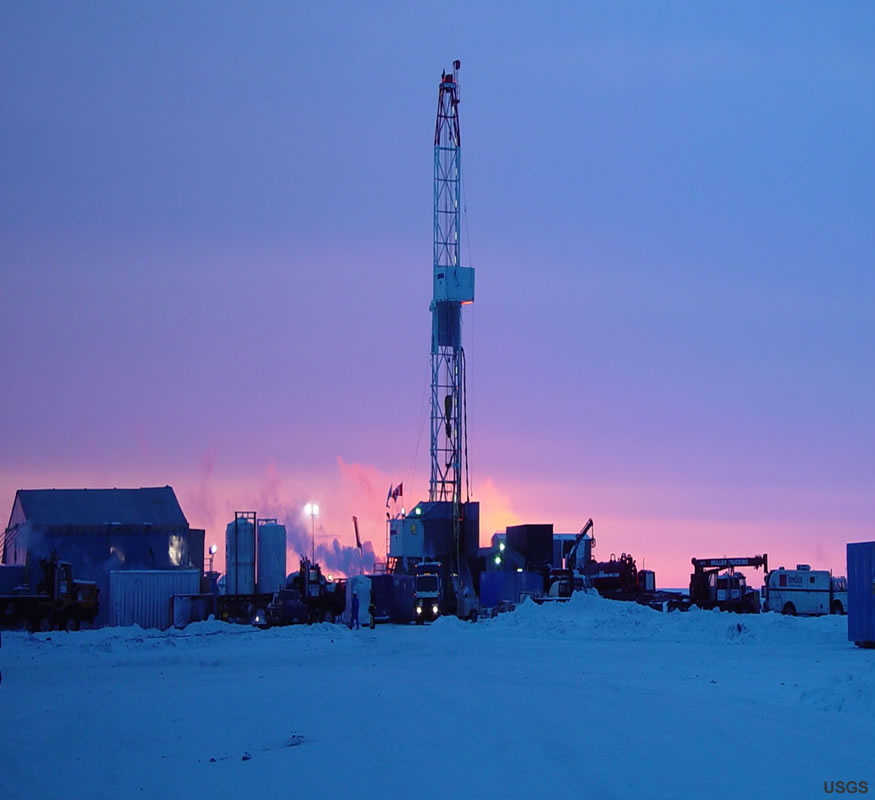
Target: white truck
[{"x": 805, "y": 591}]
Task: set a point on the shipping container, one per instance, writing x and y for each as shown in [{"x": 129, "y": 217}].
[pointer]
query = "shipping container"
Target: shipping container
[
  {"x": 499, "y": 587},
  {"x": 403, "y": 599},
  {"x": 533, "y": 542},
  {"x": 861, "y": 593},
  {"x": 144, "y": 597},
  {"x": 393, "y": 598},
  {"x": 392, "y": 595}
]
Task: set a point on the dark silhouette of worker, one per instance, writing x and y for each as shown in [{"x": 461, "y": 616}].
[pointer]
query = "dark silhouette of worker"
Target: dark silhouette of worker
[
  {"x": 354, "y": 612},
  {"x": 372, "y": 610}
]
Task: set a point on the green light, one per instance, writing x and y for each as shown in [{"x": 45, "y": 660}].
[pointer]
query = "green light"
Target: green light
[
  {"x": 418, "y": 511},
  {"x": 498, "y": 559},
  {"x": 501, "y": 546}
]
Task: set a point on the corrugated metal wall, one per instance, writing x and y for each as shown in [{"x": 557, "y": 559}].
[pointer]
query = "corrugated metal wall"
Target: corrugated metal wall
[
  {"x": 861, "y": 592},
  {"x": 142, "y": 597}
]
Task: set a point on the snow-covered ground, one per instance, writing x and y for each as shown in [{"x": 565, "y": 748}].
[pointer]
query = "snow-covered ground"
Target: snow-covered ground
[{"x": 589, "y": 699}]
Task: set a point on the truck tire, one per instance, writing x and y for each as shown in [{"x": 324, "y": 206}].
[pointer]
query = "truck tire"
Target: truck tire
[
  {"x": 70, "y": 622},
  {"x": 43, "y": 621},
  {"x": 837, "y": 607},
  {"x": 789, "y": 610},
  {"x": 473, "y": 615}
]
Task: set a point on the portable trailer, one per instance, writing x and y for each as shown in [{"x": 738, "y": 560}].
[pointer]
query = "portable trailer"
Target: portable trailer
[
  {"x": 394, "y": 598},
  {"x": 711, "y": 588},
  {"x": 805, "y": 591}
]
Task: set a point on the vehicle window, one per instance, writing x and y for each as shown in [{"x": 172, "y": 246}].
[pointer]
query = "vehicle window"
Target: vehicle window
[
  {"x": 811, "y": 579},
  {"x": 426, "y": 583},
  {"x": 782, "y": 580}
]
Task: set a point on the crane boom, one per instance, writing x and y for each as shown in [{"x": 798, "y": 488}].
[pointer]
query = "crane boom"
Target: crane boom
[
  {"x": 728, "y": 563},
  {"x": 571, "y": 559}
]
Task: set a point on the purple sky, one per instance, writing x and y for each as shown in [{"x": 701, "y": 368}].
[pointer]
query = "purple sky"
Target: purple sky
[{"x": 215, "y": 238}]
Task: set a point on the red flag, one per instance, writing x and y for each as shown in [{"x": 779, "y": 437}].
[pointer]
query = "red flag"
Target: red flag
[
  {"x": 358, "y": 542},
  {"x": 398, "y": 491},
  {"x": 390, "y": 496}
]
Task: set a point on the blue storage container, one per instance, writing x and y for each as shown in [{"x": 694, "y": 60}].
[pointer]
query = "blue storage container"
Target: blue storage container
[
  {"x": 403, "y": 599},
  {"x": 861, "y": 593},
  {"x": 393, "y": 598},
  {"x": 381, "y": 597},
  {"x": 491, "y": 584},
  {"x": 508, "y": 587}
]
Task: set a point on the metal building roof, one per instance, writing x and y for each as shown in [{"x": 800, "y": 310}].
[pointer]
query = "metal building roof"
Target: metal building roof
[{"x": 155, "y": 506}]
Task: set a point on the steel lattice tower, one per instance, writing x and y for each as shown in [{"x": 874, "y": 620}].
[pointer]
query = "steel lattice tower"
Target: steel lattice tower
[{"x": 453, "y": 287}]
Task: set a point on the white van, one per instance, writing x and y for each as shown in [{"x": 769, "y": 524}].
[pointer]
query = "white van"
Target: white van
[{"x": 805, "y": 591}]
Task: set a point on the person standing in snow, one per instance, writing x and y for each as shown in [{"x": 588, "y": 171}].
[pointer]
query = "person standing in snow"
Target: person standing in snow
[
  {"x": 354, "y": 612},
  {"x": 372, "y": 610}
]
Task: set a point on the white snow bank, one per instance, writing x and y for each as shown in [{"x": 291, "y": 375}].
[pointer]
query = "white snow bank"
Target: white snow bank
[
  {"x": 660, "y": 704},
  {"x": 590, "y": 617}
]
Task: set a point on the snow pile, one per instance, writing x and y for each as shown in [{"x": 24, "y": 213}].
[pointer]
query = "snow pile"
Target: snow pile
[
  {"x": 849, "y": 692},
  {"x": 509, "y": 701},
  {"x": 593, "y": 618}
]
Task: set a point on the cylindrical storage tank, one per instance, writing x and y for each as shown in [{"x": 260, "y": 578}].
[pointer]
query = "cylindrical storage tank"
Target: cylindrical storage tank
[
  {"x": 240, "y": 557},
  {"x": 271, "y": 558}
]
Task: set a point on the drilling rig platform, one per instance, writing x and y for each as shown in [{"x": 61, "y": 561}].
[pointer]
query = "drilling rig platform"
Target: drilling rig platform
[{"x": 444, "y": 531}]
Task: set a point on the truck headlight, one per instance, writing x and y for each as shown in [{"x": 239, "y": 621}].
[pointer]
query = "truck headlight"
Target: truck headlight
[
  {"x": 434, "y": 609},
  {"x": 419, "y": 609}
]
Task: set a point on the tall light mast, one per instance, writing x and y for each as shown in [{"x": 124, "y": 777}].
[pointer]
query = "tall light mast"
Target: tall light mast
[{"x": 453, "y": 288}]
